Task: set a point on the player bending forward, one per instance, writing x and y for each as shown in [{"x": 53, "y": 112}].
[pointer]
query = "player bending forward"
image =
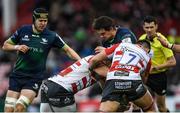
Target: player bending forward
[
  {"x": 57, "y": 93},
  {"x": 123, "y": 81}
]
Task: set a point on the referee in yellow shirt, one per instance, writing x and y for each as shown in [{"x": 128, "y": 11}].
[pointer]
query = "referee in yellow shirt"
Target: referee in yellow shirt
[{"x": 162, "y": 59}]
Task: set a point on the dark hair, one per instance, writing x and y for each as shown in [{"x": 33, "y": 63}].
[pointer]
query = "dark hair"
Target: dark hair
[
  {"x": 150, "y": 19},
  {"x": 144, "y": 43},
  {"x": 40, "y": 13},
  {"x": 103, "y": 22}
]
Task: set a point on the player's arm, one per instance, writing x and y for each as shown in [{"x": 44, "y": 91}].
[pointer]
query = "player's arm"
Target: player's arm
[
  {"x": 165, "y": 43},
  {"x": 145, "y": 75},
  {"x": 171, "y": 61},
  {"x": 128, "y": 36},
  {"x": 108, "y": 52},
  {"x": 96, "y": 59},
  {"x": 101, "y": 70},
  {"x": 71, "y": 53},
  {"x": 100, "y": 73},
  {"x": 98, "y": 49},
  {"x": 175, "y": 47},
  {"x": 10, "y": 45}
]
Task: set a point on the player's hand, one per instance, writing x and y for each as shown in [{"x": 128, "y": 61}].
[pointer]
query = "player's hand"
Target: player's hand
[
  {"x": 164, "y": 42},
  {"x": 154, "y": 68},
  {"x": 22, "y": 48},
  {"x": 98, "y": 49}
]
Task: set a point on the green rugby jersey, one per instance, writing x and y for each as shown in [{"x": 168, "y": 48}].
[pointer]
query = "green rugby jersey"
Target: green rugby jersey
[{"x": 33, "y": 62}]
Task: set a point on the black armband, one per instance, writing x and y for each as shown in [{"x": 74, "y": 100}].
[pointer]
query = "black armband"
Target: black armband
[{"x": 172, "y": 46}]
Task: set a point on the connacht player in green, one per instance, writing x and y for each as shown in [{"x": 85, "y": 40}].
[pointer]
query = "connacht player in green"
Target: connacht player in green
[{"x": 32, "y": 43}]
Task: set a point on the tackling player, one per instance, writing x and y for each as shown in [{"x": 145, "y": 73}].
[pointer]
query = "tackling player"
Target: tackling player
[
  {"x": 123, "y": 81},
  {"x": 57, "y": 93}
]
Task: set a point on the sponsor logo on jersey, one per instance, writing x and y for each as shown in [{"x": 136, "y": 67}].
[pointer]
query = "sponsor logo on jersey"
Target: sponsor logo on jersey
[
  {"x": 125, "y": 67},
  {"x": 33, "y": 35},
  {"x": 25, "y": 38},
  {"x": 44, "y": 41},
  {"x": 33, "y": 49}
]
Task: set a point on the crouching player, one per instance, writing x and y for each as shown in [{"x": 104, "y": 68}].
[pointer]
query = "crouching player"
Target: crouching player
[
  {"x": 123, "y": 81},
  {"x": 57, "y": 93}
]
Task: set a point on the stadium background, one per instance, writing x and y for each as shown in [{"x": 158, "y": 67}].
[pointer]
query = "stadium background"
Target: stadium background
[{"x": 72, "y": 19}]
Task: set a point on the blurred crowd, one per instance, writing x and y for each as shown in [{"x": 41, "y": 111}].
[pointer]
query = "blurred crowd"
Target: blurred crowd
[{"x": 72, "y": 19}]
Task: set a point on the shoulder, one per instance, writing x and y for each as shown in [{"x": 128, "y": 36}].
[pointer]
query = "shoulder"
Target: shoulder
[
  {"x": 49, "y": 32},
  {"x": 142, "y": 37},
  {"x": 161, "y": 35},
  {"x": 54, "y": 38},
  {"x": 25, "y": 28},
  {"x": 126, "y": 44},
  {"x": 123, "y": 30}
]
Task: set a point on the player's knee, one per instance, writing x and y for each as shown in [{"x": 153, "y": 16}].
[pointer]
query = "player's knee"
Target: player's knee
[
  {"x": 9, "y": 104},
  {"x": 150, "y": 108},
  {"x": 22, "y": 103},
  {"x": 107, "y": 108},
  {"x": 19, "y": 108}
]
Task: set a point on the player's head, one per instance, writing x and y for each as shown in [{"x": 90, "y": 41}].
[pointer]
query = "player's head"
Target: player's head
[
  {"x": 40, "y": 13},
  {"x": 104, "y": 26},
  {"x": 149, "y": 19},
  {"x": 145, "y": 45},
  {"x": 40, "y": 19},
  {"x": 150, "y": 26}
]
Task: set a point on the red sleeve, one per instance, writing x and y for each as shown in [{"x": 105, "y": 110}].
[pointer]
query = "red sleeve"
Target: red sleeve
[{"x": 111, "y": 49}]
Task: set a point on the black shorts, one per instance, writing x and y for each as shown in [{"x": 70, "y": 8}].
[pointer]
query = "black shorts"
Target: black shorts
[
  {"x": 55, "y": 94},
  {"x": 19, "y": 83},
  {"x": 158, "y": 83},
  {"x": 123, "y": 91}
]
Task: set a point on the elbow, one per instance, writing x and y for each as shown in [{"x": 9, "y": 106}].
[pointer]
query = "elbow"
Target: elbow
[
  {"x": 93, "y": 61},
  {"x": 174, "y": 63},
  {"x": 4, "y": 47}
]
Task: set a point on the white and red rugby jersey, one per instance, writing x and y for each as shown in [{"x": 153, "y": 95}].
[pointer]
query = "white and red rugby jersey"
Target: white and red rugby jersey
[
  {"x": 76, "y": 77},
  {"x": 128, "y": 61}
]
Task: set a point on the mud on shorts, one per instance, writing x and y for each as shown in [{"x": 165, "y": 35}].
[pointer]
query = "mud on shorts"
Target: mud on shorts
[
  {"x": 123, "y": 91},
  {"x": 158, "y": 83},
  {"x": 56, "y": 95}
]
